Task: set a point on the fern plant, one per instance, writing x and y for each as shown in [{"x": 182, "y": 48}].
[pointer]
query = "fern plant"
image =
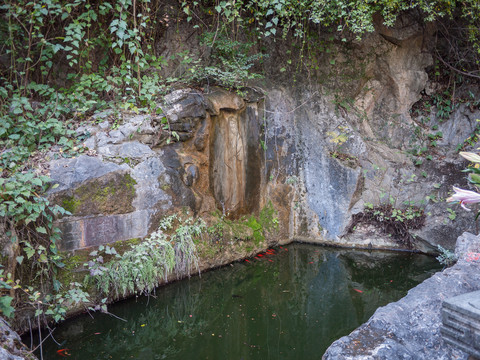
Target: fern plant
[{"x": 144, "y": 266}]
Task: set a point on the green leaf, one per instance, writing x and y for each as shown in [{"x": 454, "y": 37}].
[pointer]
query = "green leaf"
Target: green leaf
[
  {"x": 37, "y": 181},
  {"x": 29, "y": 251},
  {"x": 41, "y": 229},
  {"x": 474, "y": 178},
  {"x": 5, "y": 306},
  {"x": 19, "y": 259}
]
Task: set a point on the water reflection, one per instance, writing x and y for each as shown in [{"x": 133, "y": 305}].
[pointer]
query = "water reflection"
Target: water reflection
[{"x": 290, "y": 305}]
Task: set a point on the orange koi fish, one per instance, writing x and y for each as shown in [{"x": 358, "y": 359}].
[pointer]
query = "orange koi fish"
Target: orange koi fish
[
  {"x": 359, "y": 291},
  {"x": 63, "y": 352}
]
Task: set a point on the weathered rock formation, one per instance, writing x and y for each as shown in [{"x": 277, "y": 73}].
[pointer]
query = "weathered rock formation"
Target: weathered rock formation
[
  {"x": 346, "y": 134},
  {"x": 133, "y": 176},
  {"x": 410, "y": 328},
  {"x": 320, "y": 143}
]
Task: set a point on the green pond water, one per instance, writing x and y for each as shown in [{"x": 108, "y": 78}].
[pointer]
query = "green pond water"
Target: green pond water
[{"x": 289, "y": 305}]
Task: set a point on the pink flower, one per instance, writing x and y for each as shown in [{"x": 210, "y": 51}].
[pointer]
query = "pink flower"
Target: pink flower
[
  {"x": 470, "y": 156},
  {"x": 464, "y": 197}
]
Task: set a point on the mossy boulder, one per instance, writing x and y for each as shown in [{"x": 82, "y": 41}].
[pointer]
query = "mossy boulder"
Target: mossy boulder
[{"x": 112, "y": 193}]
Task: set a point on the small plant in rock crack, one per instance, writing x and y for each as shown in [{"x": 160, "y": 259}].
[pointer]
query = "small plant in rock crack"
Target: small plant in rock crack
[
  {"x": 291, "y": 180},
  {"x": 446, "y": 258},
  {"x": 452, "y": 215},
  {"x": 392, "y": 221}
]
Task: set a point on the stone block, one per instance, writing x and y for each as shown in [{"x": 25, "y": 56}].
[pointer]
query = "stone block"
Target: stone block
[
  {"x": 78, "y": 233},
  {"x": 461, "y": 322},
  {"x": 181, "y": 104},
  {"x": 68, "y": 173}
]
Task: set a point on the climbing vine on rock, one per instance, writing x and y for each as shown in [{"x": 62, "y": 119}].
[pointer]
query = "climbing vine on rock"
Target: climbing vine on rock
[{"x": 283, "y": 16}]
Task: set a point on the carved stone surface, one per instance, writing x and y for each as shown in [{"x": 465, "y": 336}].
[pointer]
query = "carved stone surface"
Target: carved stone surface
[{"x": 461, "y": 322}]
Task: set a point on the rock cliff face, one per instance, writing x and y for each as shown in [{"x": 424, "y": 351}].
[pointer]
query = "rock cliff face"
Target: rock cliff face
[
  {"x": 346, "y": 136},
  {"x": 321, "y": 146}
]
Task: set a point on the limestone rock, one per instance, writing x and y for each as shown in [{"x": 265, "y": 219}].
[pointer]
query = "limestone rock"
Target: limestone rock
[
  {"x": 149, "y": 191},
  {"x": 220, "y": 99},
  {"x": 185, "y": 103},
  {"x": 467, "y": 243},
  {"x": 460, "y": 126},
  {"x": 109, "y": 202},
  {"x": 112, "y": 193},
  {"x": 127, "y": 150},
  {"x": 331, "y": 187},
  {"x": 182, "y": 195},
  {"x": 191, "y": 175},
  {"x": 83, "y": 232},
  {"x": 70, "y": 172},
  {"x": 11, "y": 346},
  {"x": 201, "y": 137},
  {"x": 236, "y": 161},
  {"x": 410, "y": 327}
]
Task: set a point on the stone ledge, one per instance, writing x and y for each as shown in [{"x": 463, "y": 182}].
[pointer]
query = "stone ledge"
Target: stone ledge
[{"x": 461, "y": 322}]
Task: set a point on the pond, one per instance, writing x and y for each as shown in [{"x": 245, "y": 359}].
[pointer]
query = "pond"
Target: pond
[{"x": 291, "y": 303}]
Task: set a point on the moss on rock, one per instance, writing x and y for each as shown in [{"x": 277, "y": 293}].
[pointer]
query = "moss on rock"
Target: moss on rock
[
  {"x": 257, "y": 228},
  {"x": 70, "y": 204},
  {"x": 109, "y": 194},
  {"x": 268, "y": 217}
]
